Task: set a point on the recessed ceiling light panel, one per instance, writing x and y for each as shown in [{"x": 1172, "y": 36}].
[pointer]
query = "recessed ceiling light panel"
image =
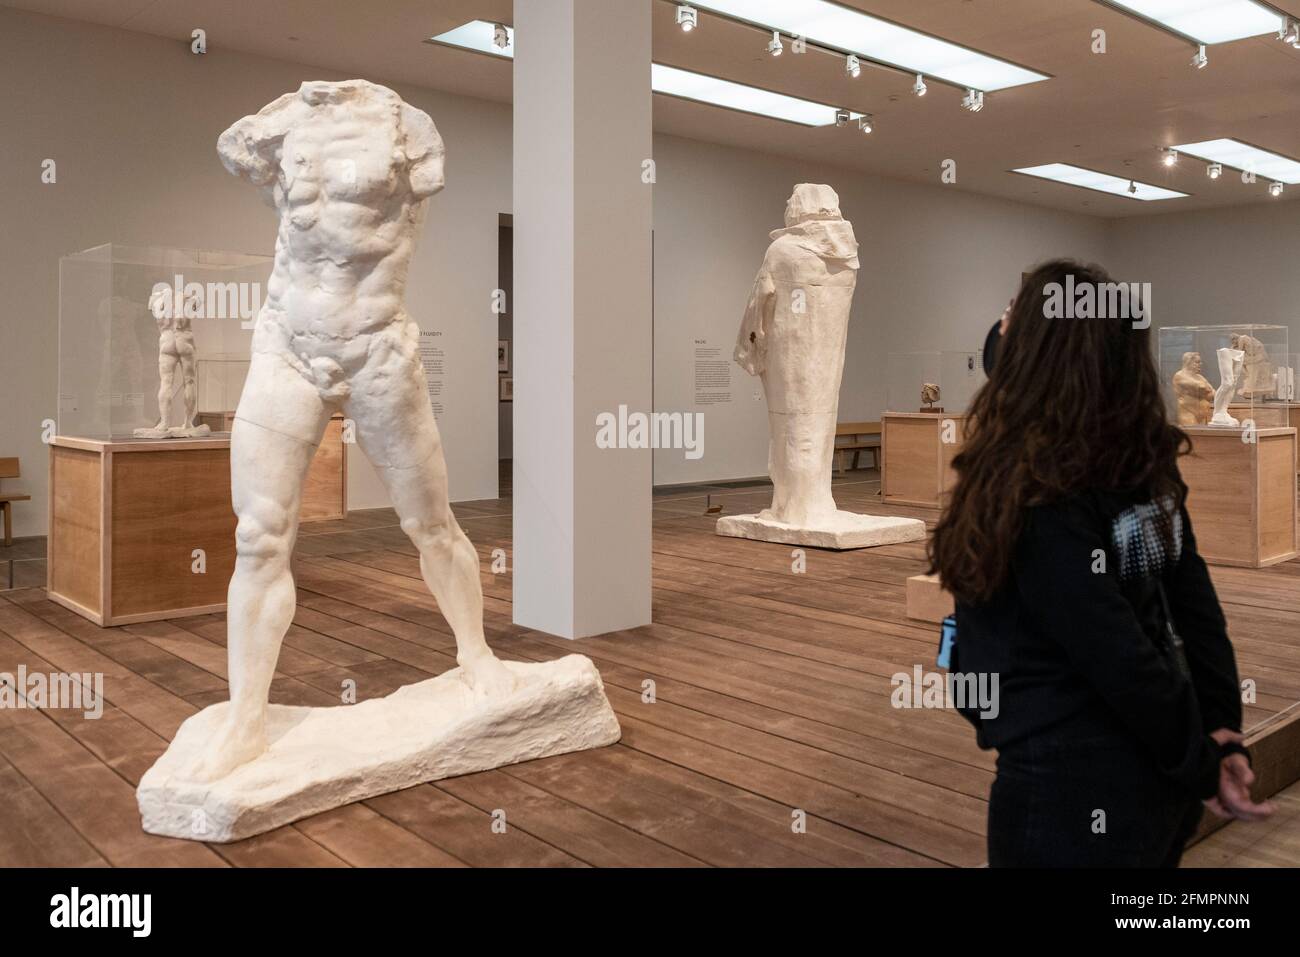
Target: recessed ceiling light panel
[
  {"x": 1101, "y": 182},
  {"x": 738, "y": 96},
  {"x": 1208, "y": 21},
  {"x": 479, "y": 35},
  {"x": 1245, "y": 157},
  {"x": 842, "y": 28}
]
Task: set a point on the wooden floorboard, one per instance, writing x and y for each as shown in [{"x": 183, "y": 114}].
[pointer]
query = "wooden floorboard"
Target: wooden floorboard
[{"x": 757, "y": 723}]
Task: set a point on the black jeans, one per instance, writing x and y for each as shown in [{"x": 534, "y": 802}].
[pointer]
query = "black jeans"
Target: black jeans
[{"x": 1066, "y": 799}]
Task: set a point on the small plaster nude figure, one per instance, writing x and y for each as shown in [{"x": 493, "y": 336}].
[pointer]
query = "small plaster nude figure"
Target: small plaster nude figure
[{"x": 175, "y": 352}]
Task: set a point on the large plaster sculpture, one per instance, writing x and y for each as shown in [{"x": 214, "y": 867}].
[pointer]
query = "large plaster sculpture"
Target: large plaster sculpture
[
  {"x": 175, "y": 354},
  {"x": 1230, "y": 363},
  {"x": 1193, "y": 391},
  {"x": 793, "y": 336},
  {"x": 349, "y": 167}
]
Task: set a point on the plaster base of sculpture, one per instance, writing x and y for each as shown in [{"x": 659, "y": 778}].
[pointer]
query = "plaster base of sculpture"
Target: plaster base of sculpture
[
  {"x": 322, "y": 758},
  {"x": 175, "y": 432},
  {"x": 846, "y": 530}
]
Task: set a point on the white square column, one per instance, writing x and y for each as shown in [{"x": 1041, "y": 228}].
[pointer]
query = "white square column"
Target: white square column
[{"x": 582, "y": 313}]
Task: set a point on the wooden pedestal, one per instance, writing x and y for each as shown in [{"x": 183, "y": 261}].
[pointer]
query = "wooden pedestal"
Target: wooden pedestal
[
  {"x": 916, "y": 460},
  {"x": 325, "y": 493},
  {"x": 125, "y": 519},
  {"x": 1242, "y": 495},
  {"x": 926, "y": 599}
]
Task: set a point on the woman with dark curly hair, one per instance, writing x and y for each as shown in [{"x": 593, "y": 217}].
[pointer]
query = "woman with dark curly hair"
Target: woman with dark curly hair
[{"x": 1068, "y": 548}]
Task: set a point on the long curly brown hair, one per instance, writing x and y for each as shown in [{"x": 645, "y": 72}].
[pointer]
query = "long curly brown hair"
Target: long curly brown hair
[{"x": 1071, "y": 405}]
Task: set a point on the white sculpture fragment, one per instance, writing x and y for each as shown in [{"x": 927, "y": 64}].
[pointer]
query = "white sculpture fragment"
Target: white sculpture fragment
[
  {"x": 349, "y": 167},
  {"x": 175, "y": 353},
  {"x": 1230, "y": 365},
  {"x": 1258, "y": 377},
  {"x": 793, "y": 337}
]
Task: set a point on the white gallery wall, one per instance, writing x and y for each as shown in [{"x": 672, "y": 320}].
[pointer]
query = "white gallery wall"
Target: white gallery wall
[
  {"x": 132, "y": 122},
  {"x": 1217, "y": 266}
]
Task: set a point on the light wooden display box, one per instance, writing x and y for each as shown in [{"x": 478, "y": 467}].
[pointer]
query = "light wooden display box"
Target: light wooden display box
[
  {"x": 1242, "y": 495},
  {"x": 325, "y": 492},
  {"x": 125, "y": 518},
  {"x": 926, "y": 599},
  {"x": 916, "y": 464}
]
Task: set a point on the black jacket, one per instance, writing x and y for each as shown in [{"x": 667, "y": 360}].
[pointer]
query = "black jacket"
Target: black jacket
[{"x": 1073, "y": 635}]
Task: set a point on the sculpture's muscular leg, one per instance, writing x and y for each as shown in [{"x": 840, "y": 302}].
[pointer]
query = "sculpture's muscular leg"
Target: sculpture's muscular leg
[
  {"x": 188, "y": 374},
  {"x": 268, "y": 464},
  {"x": 396, "y": 429},
  {"x": 166, "y": 387}
]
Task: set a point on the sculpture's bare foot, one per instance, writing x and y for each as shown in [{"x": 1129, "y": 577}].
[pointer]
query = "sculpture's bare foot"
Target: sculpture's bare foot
[
  {"x": 488, "y": 676},
  {"x": 233, "y": 744}
]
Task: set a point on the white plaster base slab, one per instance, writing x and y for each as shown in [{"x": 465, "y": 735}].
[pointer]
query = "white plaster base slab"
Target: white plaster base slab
[
  {"x": 848, "y": 530},
  {"x": 322, "y": 758},
  {"x": 175, "y": 432}
]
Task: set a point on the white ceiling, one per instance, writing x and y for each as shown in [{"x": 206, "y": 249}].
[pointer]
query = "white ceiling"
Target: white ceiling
[{"x": 1107, "y": 112}]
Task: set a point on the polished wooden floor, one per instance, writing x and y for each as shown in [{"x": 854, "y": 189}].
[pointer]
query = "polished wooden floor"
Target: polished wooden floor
[{"x": 770, "y": 739}]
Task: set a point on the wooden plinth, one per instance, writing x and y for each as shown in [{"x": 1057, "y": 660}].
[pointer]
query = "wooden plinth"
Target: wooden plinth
[
  {"x": 125, "y": 520},
  {"x": 926, "y": 599},
  {"x": 325, "y": 492},
  {"x": 1242, "y": 495},
  {"x": 917, "y": 452}
]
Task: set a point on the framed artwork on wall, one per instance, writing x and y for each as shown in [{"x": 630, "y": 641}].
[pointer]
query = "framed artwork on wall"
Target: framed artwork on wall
[
  {"x": 507, "y": 389},
  {"x": 503, "y": 355}
]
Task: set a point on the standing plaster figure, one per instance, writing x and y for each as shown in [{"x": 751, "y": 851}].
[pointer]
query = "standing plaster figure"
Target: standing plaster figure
[
  {"x": 348, "y": 166},
  {"x": 1230, "y": 363},
  {"x": 175, "y": 353},
  {"x": 792, "y": 337}
]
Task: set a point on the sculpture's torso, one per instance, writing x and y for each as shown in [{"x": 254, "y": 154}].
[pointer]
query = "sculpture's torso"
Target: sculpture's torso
[
  {"x": 805, "y": 355},
  {"x": 347, "y": 225}
]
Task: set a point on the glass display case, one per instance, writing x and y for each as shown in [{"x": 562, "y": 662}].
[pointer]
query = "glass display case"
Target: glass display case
[
  {"x": 1226, "y": 376},
  {"x": 131, "y": 315},
  {"x": 940, "y": 382}
]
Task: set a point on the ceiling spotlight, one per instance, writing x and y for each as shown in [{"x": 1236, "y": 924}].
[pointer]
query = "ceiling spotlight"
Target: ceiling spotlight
[
  {"x": 1275, "y": 188},
  {"x": 853, "y": 66},
  {"x": 775, "y": 47},
  {"x": 973, "y": 100},
  {"x": 1171, "y": 157},
  {"x": 500, "y": 36},
  {"x": 1202, "y": 59},
  {"x": 687, "y": 17},
  {"x": 1214, "y": 170},
  {"x": 841, "y": 117},
  {"x": 919, "y": 88},
  {"x": 866, "y": 124},
  {"x": 1290, "y": 32},
  {"x": 1133, "y": 187}
]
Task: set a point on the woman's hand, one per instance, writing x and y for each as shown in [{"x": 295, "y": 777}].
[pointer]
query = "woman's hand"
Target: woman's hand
[{"x": 1235, "y": 778}]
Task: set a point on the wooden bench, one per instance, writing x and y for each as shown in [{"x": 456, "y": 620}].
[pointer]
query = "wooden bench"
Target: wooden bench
[
  {"x": 858, "y": 437},
  {"x": 9, "y": 469}
]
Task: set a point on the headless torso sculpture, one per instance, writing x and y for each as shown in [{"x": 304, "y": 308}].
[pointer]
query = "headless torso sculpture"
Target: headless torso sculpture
[
  {"x": 349, "y": 167},
  {"x": 793, "y": 336}
]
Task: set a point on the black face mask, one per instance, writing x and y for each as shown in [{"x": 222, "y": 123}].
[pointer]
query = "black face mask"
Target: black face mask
[{"x": 991, "y": 342}]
